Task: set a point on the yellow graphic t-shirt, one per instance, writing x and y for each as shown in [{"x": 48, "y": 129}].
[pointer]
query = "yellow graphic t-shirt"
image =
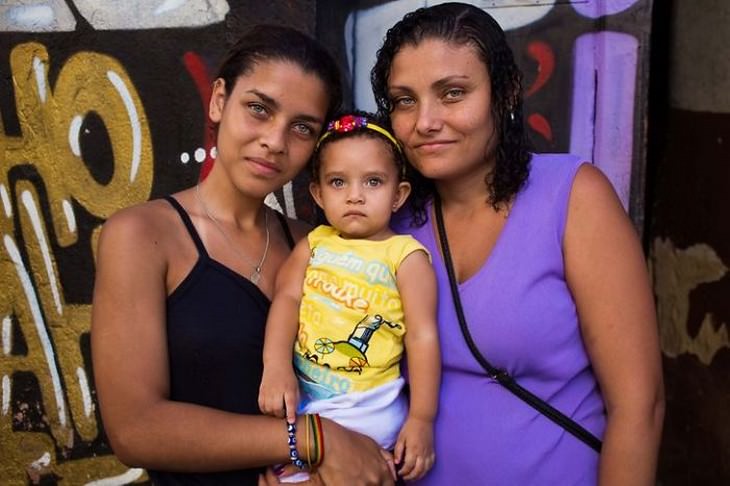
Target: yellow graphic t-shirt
[{"x": 351, "y": 317}]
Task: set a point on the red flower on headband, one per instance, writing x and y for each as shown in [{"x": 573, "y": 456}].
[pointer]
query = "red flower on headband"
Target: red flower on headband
[{"x": 347, "y": 123}]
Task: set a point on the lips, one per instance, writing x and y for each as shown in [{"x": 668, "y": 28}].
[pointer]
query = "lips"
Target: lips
[
  {"x": 354, "y": 214},
  {"x": 263, "y": 166},
  {"x": 432, "y": 145}
]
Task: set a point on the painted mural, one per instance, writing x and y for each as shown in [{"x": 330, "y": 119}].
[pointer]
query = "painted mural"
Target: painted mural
[{"x": 102, "y": 105}]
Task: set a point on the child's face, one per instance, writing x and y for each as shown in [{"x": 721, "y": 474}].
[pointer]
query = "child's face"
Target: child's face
[{"x": 359, "y": 187}]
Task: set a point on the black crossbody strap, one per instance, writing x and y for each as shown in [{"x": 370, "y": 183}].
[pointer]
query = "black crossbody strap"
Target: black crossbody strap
[{"x": 504, "y": 378}]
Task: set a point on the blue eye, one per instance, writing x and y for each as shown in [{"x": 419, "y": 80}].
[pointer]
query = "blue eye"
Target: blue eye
[
  {"x": 373, "y": 182},
  {"x": 303, "y": 129},
  {"x": 257, "y": 109},
  {"x": 454, "y": 94},
  {"x": 402, "y": 102},
  {"x": 336, "y": 182}
]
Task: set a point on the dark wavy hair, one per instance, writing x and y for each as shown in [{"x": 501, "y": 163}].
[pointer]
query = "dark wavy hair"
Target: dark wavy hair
[
  {"x": 331, "y": 135},
  {"x": 464, "y": 24},
  {"x": 279, "y": 43}
]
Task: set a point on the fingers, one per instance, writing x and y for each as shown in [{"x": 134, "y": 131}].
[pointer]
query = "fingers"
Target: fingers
[
  {"x": 421, "y": 466},
  {"x": 400, "y": 447},
  {"x": 416, "y": 470},
  {"x": 290, "y": 405},
  {"x": 270, "y": 405},
  {"x": 390, "y": 463},
  {"x": 268, "y": 478},
  {"x": 409, "y": 462}
]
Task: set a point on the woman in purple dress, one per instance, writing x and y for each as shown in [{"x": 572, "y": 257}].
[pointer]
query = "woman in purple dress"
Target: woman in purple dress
[{"x": 540, "y": 272}]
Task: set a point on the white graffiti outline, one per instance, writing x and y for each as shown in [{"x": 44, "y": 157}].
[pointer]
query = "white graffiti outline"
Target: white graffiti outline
[
  {"x": 40, "y": 325},
  {"x": 133, "y": 121},
  {"x": 35, "y": 220},
  {"x": 126, "y": 478}
]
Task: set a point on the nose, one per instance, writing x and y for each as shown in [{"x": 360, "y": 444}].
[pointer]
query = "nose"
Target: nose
[
  {"x": 429, "y": 117},
  {"x": 355, "y": 194},
  {"x": 274, "y": 138}
]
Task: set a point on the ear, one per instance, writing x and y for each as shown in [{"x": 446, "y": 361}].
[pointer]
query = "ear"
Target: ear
[
  {"x": 401, "y": 194},
  {"x": 217, "y": 101},
  {"x": 316, "y": 191}
]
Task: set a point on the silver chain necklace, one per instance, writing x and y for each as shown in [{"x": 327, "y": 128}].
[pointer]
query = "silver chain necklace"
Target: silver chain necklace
[{"x": 255, "y": 277}]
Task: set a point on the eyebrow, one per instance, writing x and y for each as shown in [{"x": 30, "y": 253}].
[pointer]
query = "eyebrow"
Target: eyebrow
[
  {"x": 439, "y": 83},
  {"x": 275, "y": 105}
]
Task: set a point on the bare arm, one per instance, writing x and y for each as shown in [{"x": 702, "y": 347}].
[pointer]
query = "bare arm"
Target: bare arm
[
  {"x": 417, "y": 287},
  {"x": 606, "y": 271},
  {"x": 130, "y": 363},
  {"x": 279, "y": 393}
]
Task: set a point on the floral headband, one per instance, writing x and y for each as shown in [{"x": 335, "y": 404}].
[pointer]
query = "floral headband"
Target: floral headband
[{"x": 348, "y": 123}]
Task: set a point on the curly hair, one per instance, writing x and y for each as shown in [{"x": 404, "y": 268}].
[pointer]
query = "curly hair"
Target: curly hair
[{"x": 463, "y": 24}]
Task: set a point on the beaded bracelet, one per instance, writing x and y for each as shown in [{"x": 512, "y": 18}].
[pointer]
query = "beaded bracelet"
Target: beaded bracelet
[{"x": 291, "y": 430}]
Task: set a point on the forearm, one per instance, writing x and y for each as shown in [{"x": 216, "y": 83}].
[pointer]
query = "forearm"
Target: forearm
[
  {"x": 281, "y": 330},
  {"x": 175, "y": 436},
  {"x": 630, "y": 447},
  {"x": 424, "y": 375}
]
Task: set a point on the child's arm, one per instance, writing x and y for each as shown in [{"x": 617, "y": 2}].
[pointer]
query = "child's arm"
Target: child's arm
[
  {"x": 279, "y": 392},
  {"x": 417, "y": 286}
]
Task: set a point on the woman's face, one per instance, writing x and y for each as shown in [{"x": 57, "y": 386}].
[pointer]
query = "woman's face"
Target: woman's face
[
  {"x": 441, "y": 98},
  {"x": 268, "y": 125}
]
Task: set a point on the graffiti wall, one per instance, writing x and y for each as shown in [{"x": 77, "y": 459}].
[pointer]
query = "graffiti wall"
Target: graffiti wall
[
  {"x": 585, "y": 65},
  {"x": 102, "y": 105}
]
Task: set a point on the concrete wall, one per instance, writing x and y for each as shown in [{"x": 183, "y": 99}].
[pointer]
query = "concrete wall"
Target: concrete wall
[
  {"x": 102, "y": 105},
  {"x": 690, "y": 244}
]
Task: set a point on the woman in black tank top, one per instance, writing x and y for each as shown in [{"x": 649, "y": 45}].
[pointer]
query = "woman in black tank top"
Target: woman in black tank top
[{"x": 183, "y": 286}]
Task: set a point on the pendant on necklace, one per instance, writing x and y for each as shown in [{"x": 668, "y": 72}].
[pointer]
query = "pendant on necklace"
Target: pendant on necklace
[{"x": 255, "y": 276}]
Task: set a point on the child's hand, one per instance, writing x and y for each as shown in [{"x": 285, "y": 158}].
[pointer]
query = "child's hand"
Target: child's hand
[
  {"x": 415, "y": 442},
  {"x": 279, "y": 392}
]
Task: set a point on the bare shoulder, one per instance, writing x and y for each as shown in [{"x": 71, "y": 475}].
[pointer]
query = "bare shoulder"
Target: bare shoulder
[
  {"x": 594, "y": 207},
  {"x": 143, "y": 229},
  {"x": 592, "y": 187}
]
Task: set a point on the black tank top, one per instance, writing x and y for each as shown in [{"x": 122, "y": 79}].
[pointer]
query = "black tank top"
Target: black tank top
[{"x": 215, "y": 339}]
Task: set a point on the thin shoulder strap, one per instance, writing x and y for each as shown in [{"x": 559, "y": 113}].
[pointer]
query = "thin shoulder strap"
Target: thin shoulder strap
[
  {"x": 188, "y": 225},
  {"x": 285, "y": 227}
]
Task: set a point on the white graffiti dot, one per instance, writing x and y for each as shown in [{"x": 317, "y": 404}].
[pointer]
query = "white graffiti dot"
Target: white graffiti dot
[
  {"x": 200, "y": 155},
  {"x": 184, "y": 157},
  {"x": 41, "y": 462}
]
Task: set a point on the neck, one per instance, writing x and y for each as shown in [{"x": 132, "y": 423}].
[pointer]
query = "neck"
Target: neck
[
  {"x": 466, "y": 191},
  {"x": 227, "y": 203}
]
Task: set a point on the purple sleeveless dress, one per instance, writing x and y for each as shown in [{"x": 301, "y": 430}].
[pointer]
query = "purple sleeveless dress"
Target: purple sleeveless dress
[{"x": 523, "y": 318}]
